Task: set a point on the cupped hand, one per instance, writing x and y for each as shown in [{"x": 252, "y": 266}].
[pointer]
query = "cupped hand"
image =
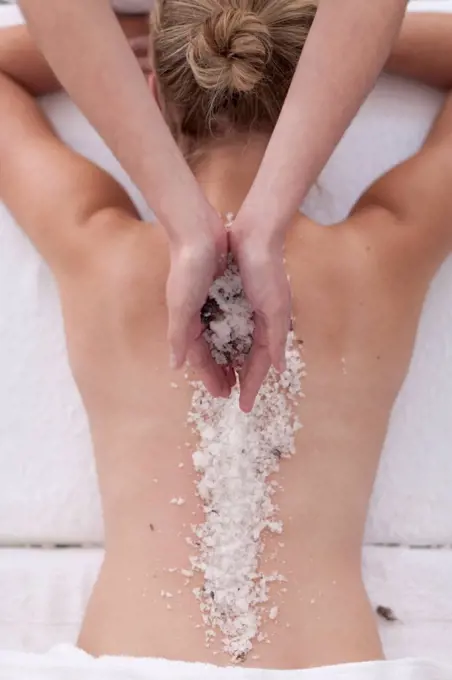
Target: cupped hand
[
  {"x": 194, "y": 265},
  {"x": 261, "y": 264}
]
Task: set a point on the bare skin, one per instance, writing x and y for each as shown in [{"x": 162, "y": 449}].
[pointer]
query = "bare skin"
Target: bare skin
[
  {"x": 345, "y": 52},
  {"x": 358, "y": 291}
]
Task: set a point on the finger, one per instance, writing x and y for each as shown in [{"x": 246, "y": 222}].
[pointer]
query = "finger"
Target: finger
[
  {"x": 222, "y": 262},
  {"x": 277, "y": 330},
  {"x": 256, "y": 366},
  {"x": 243, "y": 368},
  {"x": 177, "y": 339},
  {"x": 221, "y": 265},
  {"x": 253, "y": 375},
  {"x": 180, "y": 317},
  {"x": 230, "y": 376},
  {"x": 211, "y": 374}
]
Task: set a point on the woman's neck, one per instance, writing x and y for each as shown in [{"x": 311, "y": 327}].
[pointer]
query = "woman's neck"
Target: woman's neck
[{"x": 227, "y": 170}]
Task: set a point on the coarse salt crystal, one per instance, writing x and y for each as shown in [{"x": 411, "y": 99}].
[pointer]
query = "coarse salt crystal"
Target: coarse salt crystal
[
  {"x": 235, "y": 457},
  {"x": 273, "y": 613}
]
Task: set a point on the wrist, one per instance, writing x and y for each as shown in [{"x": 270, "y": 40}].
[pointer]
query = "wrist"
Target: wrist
[
  {"x": 190, "y": 220},
  {"x": 266, "y": 228},
  {"x": 270, "y": 206}
]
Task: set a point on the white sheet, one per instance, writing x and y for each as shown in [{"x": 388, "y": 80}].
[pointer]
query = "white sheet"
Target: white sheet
[{"x": 43, "y": 595}]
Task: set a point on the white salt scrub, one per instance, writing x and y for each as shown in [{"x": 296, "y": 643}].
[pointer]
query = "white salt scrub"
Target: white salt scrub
[
  {"x": 228, "y": 319},
  {"x": 237, "y": 453}
]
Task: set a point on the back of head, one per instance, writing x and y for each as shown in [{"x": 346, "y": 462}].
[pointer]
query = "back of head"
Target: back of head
[{"x": 225, "y": 66}]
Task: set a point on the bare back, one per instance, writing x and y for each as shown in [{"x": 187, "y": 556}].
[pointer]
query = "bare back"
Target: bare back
[{"x": 358, "y": 290}]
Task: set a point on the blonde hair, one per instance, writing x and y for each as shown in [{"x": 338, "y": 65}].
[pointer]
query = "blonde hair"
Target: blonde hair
[{"x": 225, "y": 66}]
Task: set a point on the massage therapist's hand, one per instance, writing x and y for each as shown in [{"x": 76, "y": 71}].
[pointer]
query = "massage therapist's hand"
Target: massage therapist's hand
[
  {"x": 261, "y": 264},
  {"x": 194, "y": 264}
]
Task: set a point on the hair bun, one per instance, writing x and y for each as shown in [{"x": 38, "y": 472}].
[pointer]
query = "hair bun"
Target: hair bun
[{"x": 230, "y": 51}]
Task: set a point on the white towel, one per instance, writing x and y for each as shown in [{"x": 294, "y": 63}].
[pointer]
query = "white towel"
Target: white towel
[
  {"x": 48, "y": 487},
  {"x": 72, "y": 664}
]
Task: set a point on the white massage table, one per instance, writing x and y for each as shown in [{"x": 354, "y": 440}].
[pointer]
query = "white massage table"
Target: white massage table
[{"x": 50, "y": 521}]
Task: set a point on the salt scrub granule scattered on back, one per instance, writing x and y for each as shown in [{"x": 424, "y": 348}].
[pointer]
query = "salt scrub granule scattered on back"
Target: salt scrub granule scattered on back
[
  {"x": 237, "y": 453},
  {"x": 228, "y": 316},
  {"x": 273, "y": 613}
]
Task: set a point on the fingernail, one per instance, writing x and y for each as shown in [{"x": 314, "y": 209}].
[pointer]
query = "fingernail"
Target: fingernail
[{"x": 245, "y": 408}]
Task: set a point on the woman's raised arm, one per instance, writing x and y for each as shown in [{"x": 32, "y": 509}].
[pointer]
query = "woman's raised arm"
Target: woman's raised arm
[
  {"x": 90, "y": 56},
  {"x": 344, "y": 54},
  {"x": 346, "y": 50}
]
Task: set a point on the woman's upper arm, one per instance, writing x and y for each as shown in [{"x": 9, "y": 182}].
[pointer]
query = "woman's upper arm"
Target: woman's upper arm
[
  {"x": 419, "y": 191},
  {"x": 50, "y": 190},
  {"x": 21, "y": 60}
]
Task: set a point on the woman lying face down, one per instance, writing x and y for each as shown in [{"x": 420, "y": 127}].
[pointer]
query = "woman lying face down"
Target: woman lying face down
[{"x": 232, "y": 537}]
